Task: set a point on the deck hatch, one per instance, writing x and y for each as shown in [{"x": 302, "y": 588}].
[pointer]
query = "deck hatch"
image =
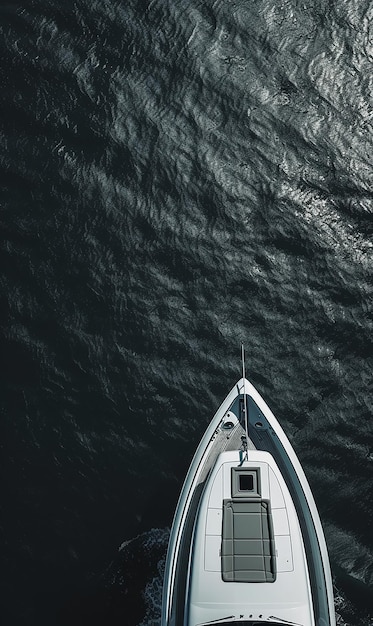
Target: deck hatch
[
  {"x": 248, "y": 551},
  {"x": 245, "y": 482}
]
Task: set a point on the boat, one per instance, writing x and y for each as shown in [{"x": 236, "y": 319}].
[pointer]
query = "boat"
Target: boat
[{"x": 246, "y": 546}]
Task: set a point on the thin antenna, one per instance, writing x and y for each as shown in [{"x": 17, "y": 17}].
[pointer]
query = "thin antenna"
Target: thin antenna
[{"x": 244, "y": 391}]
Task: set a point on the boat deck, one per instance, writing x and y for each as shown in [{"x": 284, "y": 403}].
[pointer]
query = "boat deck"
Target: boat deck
[{"x": 248, "y": 555}]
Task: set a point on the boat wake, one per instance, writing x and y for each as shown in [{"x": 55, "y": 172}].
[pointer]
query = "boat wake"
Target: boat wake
[{"x": 134, "y": 580}]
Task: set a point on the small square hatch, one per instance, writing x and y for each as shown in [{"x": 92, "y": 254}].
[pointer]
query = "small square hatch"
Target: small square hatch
[{"x": 245, "y": 482}]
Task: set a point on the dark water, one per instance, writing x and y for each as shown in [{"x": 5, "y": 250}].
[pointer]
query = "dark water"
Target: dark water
[{"x": 177, "y": 177}]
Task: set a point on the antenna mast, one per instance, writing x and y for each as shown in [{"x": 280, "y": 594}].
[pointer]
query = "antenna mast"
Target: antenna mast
[{"x": 244, "y": 392}]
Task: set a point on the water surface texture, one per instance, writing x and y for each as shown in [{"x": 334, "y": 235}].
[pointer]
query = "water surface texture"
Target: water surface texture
[{"x": 176, "y": 178}]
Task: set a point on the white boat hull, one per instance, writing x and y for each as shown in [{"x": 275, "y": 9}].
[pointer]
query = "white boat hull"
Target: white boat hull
[{"x": 199, "y": 586}]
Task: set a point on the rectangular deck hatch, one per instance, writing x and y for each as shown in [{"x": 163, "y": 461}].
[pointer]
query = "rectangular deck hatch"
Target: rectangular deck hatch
[{"x": 248, "y": 551}]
